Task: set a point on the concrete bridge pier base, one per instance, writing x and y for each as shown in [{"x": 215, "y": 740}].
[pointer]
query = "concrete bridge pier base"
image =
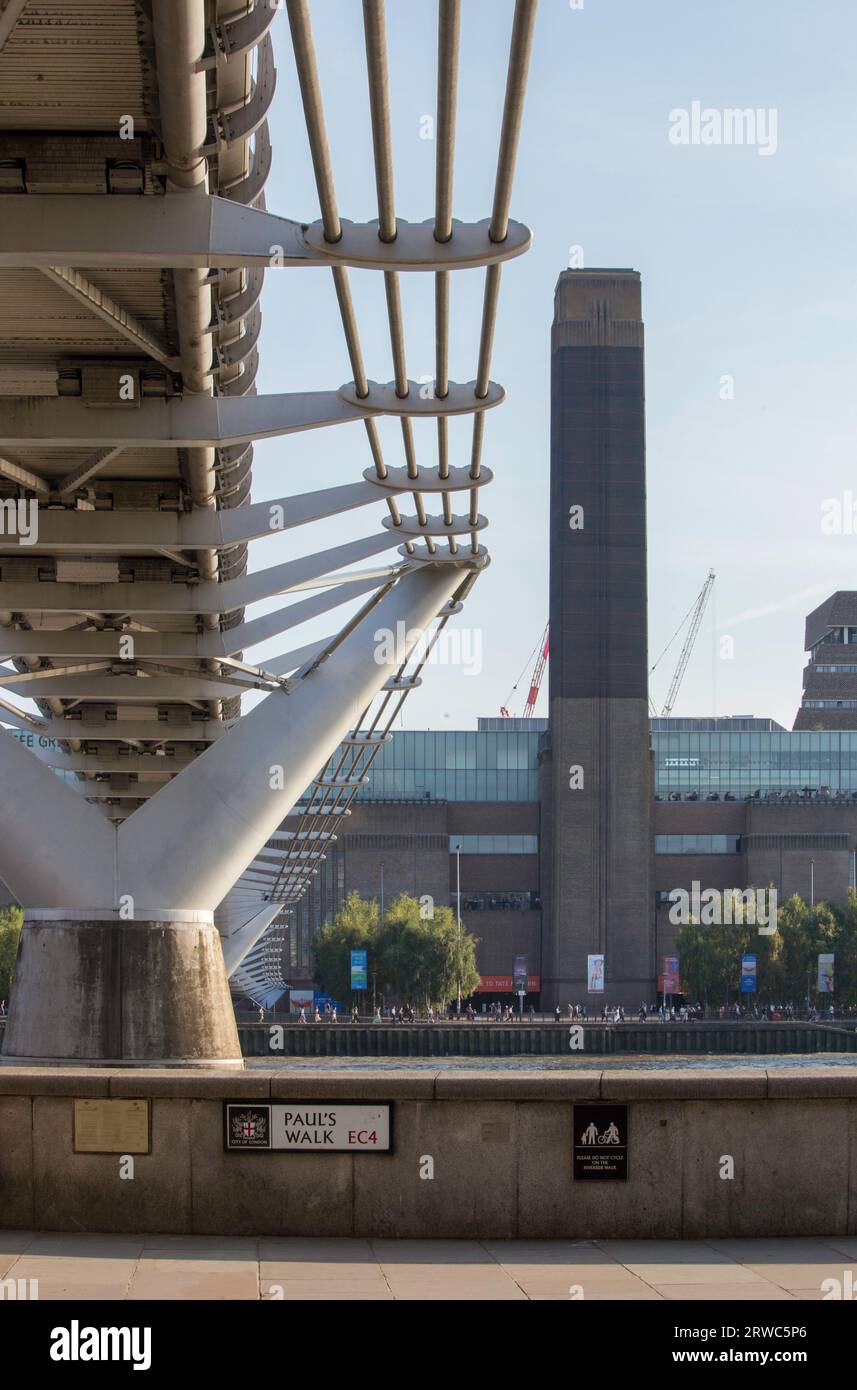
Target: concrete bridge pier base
[{"x": 121, "y": 993}]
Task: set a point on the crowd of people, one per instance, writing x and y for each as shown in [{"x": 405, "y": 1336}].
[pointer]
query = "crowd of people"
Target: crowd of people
[{"x": 577, "y": 1013}]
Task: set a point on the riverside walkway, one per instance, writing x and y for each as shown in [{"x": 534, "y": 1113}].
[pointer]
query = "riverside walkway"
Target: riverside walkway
[{"x": 162, "y": 1267}]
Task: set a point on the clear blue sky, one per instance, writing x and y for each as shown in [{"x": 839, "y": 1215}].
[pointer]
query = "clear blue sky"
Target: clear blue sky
[{"x": 748, "y": 271}]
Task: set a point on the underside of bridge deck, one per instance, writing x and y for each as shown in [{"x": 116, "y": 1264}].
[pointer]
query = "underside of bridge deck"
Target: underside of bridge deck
[{"x": 138, "y": 797}]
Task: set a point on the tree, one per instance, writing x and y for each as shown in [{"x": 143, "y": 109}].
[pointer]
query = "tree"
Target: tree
[
  {"x": 710, "y": 951},
  {"x": 355, "y": 927},
  {"x": 787, "y": 960},
  {"x": 401, "y": 949},
  {"x": 803, "y": 932},
  {"x": 418, "y": 959},
  {"x": 844, "y": 948},
  {"x": 450, "y": 959},
  {"x": 703, "y": 968},
  {"x": 11, "y": 920},
  {"x": 422, "y": 959}
]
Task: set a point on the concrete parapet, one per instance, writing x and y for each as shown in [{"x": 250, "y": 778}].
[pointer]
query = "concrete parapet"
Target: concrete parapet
[{"x": 500, "y": 1145}]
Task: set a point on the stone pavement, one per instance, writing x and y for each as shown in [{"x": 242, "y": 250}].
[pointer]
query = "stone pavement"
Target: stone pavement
[{"x": 89, "y": 1266}]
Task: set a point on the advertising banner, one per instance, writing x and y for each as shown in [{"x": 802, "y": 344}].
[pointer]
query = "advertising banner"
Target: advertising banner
[
  {"x": 825, "y": 974},
  {"x": 324, "y": 1001},
  {"x": 595, "y": 974},
  {"x": 505, "y": 984},
  {"x": 520, "y": 974},
  {"x": 300, "y": 999},
  {"x": 671, "y": 980},
  {"x": 748, "y": 974},
  {"x": 359, "y": 968}
]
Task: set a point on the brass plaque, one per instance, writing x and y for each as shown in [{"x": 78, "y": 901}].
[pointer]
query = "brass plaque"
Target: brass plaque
[{"x": 111, "y": 1127}]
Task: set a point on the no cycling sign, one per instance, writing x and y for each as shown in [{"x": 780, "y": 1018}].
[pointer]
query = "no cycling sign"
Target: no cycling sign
[{"x": 600, "y": 1142}]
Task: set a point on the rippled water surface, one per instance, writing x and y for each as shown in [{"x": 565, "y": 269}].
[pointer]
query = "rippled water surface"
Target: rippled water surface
[{"x": 626, "y": 1062}]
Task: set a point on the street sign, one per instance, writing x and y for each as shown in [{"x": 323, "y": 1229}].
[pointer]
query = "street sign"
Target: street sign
[
  {"x": 303, "y": 1126},
  {"x": 600, "y": 1142}
]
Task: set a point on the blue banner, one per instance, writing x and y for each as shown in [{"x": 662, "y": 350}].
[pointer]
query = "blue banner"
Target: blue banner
[
  {"x": 359, "y": 969},
  {"x": 748, "y": 974},
  {"x": 321, "y": 1001}
]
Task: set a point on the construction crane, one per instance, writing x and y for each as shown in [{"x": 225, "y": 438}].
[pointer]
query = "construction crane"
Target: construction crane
[
  {"x": 695, "y": 615},
  {"x": 536, "y": 682}
]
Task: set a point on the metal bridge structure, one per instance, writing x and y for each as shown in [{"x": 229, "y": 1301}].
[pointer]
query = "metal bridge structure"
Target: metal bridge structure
[{"x": 152, "y": 831}]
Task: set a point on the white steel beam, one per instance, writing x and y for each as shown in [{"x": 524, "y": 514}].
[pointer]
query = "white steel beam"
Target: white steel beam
[
  {"x": 185, "y": 422},
  {"x": 136, "y": 730},
  {"x": 61, "y": 851},
  {"x": 208, "y": 596},
  {"x": 206, "y": 232},
  {"x": 241, "y": 927},
  {"x": 208, "y": 645},
  {"x": 199, "y": 421},
  {"x": 294, "y": 731},
  {"x": 250, "y": 633},
  {"x": 109, "y": 761},
  {"x": 106, "y": 309},
  {"x": 86, "y": 862},
  {"x": 181, "y": 233},
  {"x": 123, "y": 532},
  {"x": 84, "y": 471},
  {"x": 150, "y": 689},
  {"x": 180, "y": 646},
  {"x": 17, "y": 473}
]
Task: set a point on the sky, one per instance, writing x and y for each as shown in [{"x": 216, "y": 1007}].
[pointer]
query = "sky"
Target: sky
[{"x": 749, "y": 290}]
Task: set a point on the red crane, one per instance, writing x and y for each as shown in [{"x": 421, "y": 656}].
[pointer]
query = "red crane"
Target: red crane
[{"x": 536, "y": 682}]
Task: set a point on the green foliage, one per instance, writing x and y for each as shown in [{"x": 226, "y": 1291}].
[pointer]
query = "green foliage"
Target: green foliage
[
  {"x": 787, "y": 960},
  {"x": 11, "y": 919},
  {"x": 355, "y": 927},
  {"x": 843, "y": 944},
  {"x": 422, "y": 957},
  {"x": 418, "y": 958}
]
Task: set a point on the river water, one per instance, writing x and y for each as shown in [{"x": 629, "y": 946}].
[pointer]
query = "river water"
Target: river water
[{"x": 625, "y": 1062}]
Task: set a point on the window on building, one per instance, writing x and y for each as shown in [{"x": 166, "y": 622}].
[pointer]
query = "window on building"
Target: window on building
[
  {"x": 697, "y": 844},
  {"x": 494, "y": 844},
  {"x": 499, "y": 902}
]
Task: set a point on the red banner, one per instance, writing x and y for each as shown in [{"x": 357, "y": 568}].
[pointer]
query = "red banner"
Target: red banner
[
  {"x": 504, "y": 984},
  {"x": 671, "y": 983}
]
